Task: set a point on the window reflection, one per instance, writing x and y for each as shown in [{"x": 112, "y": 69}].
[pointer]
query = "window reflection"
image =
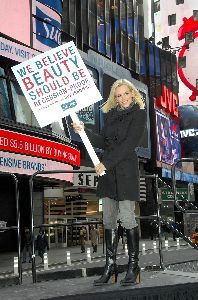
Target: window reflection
[
  {"x": 57, "y": 129},
  {"x": 23, "y": 111},
  {"x": 5, "y": 111},
  {"x": 4, "y": 101}
]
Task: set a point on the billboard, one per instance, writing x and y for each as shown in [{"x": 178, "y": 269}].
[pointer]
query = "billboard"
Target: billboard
[
  {"x": 28, "y": 165},
  {"x": 34, "y": 146},
  {"x": 15, "y": 20},
  {"x": 168, "y": 139},
  {"x": 46, "y": 24},
  {"x": 16, "y": 51}
]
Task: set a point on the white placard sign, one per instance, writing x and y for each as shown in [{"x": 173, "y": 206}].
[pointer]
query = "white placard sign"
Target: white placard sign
[{"x": 56, "y": 83}]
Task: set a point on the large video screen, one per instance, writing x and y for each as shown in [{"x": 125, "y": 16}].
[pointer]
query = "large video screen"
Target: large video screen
[
  {"x": 189, "y": 130},
  {"x": 168, "y": 139}
]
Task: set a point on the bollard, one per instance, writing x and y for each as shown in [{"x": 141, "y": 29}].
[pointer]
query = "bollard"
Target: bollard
[
  {"x": 16, "y": 262},
  {"x": 45, "y": 261},
  {"x": 143, "y": 249},
  {"x": 126, "y": 249},
  {"x": 178, "y": 244},
  {"x": 189, "y": 246},
  {"x": 84, "y": 272},
  {"x": 88, "y": 255},
  {"x": 68, "y": 258},
  {"x": 155, "y": 246},
  {"x": 166, "y": 245}
]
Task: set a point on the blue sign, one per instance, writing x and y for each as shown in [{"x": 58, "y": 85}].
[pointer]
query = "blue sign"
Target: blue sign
[
  {"x": 56, "y": 5},
  {"x": 48, "y": 31}
]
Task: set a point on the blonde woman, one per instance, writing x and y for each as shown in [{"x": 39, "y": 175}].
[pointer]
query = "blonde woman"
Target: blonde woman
[{"x": 124, "y": 125}]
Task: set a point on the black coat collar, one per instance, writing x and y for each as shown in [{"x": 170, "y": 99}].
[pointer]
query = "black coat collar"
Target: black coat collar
[{"x": 115, "y": 113}]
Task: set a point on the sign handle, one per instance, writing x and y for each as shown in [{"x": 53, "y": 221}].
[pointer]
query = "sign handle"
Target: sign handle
[
  {"x": 61, "y": 124},
  {"x": 86, "y": 142}
]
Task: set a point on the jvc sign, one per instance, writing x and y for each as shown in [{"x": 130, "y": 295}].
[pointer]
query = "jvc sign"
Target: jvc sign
[
  {"x": 189, "y": 132},
  {"x": 168, "y": 102}
]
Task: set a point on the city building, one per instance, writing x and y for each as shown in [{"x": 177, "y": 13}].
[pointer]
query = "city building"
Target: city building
[
  {"x": 25, "y": 30},
  {"x": 116, "y": 39}
]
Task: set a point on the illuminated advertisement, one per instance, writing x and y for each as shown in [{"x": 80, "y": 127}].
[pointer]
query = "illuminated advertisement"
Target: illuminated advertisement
[
  {"x": 28, "y": 165},
  {"x": 15, "y": 20},
  {"x": 34, "y": 146},
  {"x": 168, "y": 139},
  {"x": 189, "y": 130},
  {"x": 16, "y": 51}
]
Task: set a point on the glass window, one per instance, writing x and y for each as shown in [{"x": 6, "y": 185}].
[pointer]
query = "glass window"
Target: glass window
[
  {"x": 23, "y": 111},
  {"x": 56, "y": 128},
  {"x": 5, "y": 111},
  {"x": 172, "y": 19},
  {"x": 157, "y": 72},
  {"x": 108, "y": 28},
  {"x": 168, "y": 70},
  {"x": 179, "y": 2},
  {"x": 142, "y": 58},
  {"x": 72, "y": 16},
  {"x": 124, "y": 32},
  {"x": 156, "y": 6},
  {"x": 175, "y": 84},
  {"x": 131, "y": 42},
  {"x": 93, "y": 24},
  {"x": 101, "y": 26},
  {"x": 84, "y": 21},
  {"x": 163, "y": 66},
  {"x": 151, "y": 69}
]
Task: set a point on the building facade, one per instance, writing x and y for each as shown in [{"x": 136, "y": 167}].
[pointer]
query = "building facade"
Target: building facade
[{"x": 25, "y": 147}]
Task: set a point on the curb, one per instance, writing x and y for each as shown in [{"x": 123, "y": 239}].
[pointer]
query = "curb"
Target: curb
[
  {"x": 9, "y": 281},
  {"x": 75, "y": 273}
]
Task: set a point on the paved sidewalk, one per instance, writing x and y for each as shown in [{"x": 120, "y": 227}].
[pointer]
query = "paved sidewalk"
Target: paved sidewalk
[
  {"x": 83, "y": 289},
  {"x": 58, "y": 256}
]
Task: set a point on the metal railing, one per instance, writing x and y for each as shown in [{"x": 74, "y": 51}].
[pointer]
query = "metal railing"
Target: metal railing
[
  {"x": 176, "y": 201},
  {"x": 31, "y": 184},
  {"x": 173, "y": 172},
  {"x": 156, "y": 217}
]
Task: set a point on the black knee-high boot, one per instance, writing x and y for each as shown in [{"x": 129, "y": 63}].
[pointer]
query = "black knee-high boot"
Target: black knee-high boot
[
  {"x": 110, "y": 269},
  {"x": 133, "y": 271}
]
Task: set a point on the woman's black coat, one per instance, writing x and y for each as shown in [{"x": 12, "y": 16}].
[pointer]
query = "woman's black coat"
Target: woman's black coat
[{"x": 123, "y": 130}]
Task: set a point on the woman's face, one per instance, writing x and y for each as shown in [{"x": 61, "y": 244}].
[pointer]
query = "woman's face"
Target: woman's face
[{"x": 123, "y": 96}]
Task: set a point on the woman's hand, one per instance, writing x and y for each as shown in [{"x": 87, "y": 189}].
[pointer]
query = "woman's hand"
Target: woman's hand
[
  {"x": 100, "y": 168},
  {"x": 78, "y": 127}
]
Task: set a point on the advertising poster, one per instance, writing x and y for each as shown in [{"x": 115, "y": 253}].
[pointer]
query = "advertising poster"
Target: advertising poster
[
  {"x": 168, "y": 139},
  {"x": 56, "y": 83}
]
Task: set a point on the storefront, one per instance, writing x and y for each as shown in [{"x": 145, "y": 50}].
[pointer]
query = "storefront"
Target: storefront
[{"x": 23, "y": 155}]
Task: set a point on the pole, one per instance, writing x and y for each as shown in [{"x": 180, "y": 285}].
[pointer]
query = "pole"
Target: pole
[{"x": 86, "y": 141}]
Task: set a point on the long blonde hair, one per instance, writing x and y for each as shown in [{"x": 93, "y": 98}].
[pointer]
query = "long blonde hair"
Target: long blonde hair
[{"x": 111, "y": 101}]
